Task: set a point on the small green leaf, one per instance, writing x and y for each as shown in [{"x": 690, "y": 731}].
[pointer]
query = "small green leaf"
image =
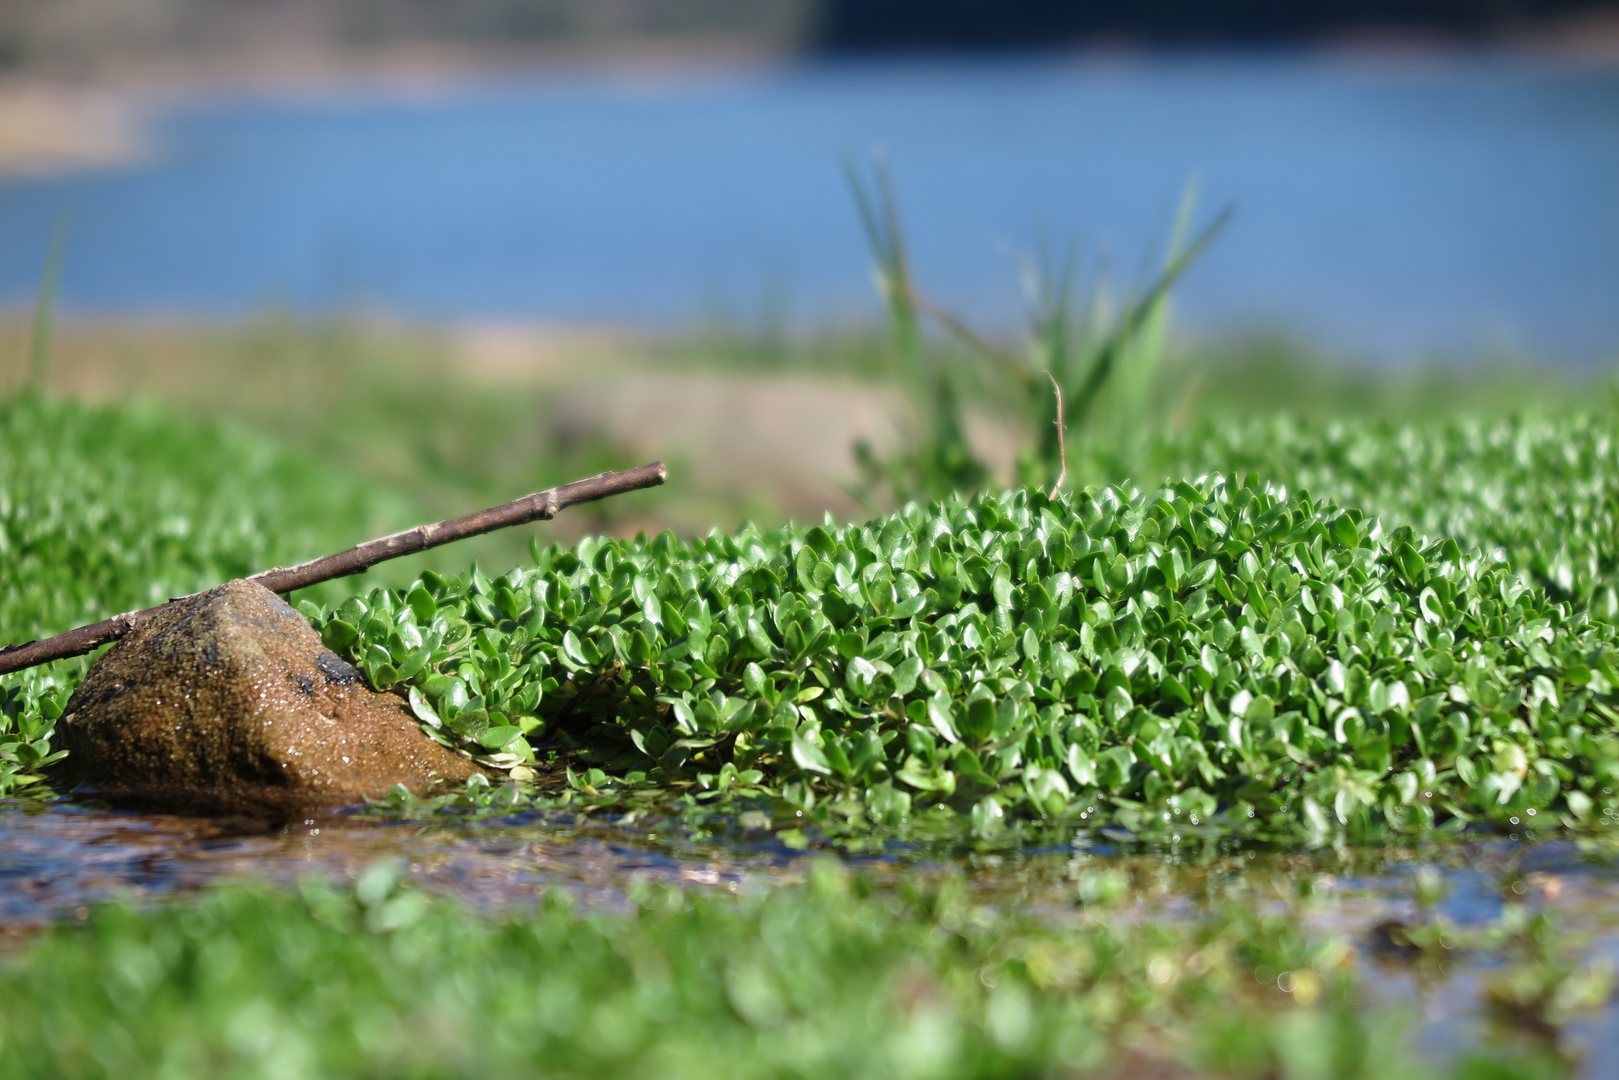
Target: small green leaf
[
  {"x": 574, "y": 649},
  {"x": 638, "y": 650},
  {"x": 940, "y": 717},
  {"x": 988, "y": 817},
  {"x": 906, "y": 674},
  {"x": 424, "y": 712},
  {"x": 339, "y": 637},
  {"x": 1001, "y": 586},
  {"x": 422, "y": 605},
  {"x": 808, "y": 756},
  {"x": 980, "y": 719},
  {"x": 495, "y": 738},
  {"x": 861, "y": 677},
  {"x": 1344, "y": 531}
]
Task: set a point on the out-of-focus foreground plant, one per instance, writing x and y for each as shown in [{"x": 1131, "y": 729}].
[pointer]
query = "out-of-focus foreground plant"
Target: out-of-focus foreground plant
[{"x": 832, "y": 979}]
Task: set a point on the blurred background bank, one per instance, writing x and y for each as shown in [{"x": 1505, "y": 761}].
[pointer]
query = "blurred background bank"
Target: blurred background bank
[{"x": 468, "y": 248}]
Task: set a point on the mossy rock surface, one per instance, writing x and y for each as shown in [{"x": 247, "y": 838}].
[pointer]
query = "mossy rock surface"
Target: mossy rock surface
[{"x": 230, "y": 702}]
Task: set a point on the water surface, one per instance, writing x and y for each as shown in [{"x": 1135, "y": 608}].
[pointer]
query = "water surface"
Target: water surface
[
  {"x": 1388, "y": 207},
  {"x": 56, "y": 860}
]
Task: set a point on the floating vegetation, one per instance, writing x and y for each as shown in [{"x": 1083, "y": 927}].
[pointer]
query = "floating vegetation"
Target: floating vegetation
[
  {"x": 1545, "y": 490},
  {"x": 1214, "y": 656}
]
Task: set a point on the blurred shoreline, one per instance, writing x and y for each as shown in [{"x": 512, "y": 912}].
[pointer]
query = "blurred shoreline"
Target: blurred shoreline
[
  {"x": 53, "y": 122},
  {"x": 473, "y": 413},
  {"x": 56, "y": 118},
  {"x": 48, "y": 128}
]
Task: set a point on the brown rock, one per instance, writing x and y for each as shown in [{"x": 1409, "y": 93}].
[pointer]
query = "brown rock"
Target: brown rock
[{"x": 231, "y": 703}]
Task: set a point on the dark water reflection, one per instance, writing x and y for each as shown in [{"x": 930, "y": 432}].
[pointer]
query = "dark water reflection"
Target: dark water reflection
[{"x": 55, "y": 860}]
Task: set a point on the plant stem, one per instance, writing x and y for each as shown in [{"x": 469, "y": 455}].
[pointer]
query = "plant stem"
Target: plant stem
[{"x": 1062, "y": 450}]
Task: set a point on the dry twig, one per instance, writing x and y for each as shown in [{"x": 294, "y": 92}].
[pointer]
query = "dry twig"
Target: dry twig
[{"x": 540, "y": 506}]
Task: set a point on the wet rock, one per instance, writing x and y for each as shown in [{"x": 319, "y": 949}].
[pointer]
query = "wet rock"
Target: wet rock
[{"x": 231, "y": 703}]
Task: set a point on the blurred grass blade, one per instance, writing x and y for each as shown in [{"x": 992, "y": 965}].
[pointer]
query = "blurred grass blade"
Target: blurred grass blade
[
  {"x": 943, "y": 461},
  {"x": 1135, "y": 317},
  {"x": 1013, "y": 365},
  {"x": 1054, "y": 352},
  {"x": 1054, "y": 285},
  {"x": 39, "y": 358},
  {"x": 879, "y": 219}
]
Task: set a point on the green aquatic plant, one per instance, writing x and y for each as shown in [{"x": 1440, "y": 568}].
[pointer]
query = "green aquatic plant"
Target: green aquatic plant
[
  {"x": 29, "y": 708},
  {"x": 1544, "y": 490},
  {"x": 105, "y": 509},
  {"x": 1212, "y": 656}
]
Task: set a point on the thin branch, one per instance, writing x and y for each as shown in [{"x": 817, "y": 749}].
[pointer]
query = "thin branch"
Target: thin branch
[
  {"x": 1062, "y": 427},
  {"x": 540, "y": 506}
]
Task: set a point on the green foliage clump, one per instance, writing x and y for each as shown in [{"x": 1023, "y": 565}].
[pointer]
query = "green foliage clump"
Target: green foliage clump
[
  {"x": 1211, "y": 656},
  {"x": 1079, "y": 362},
  {"x": 1544, "y": 490},
  {"x": 104, "y": 510},
  {"x": 826, "y": 980},
  {"x": 29, "y": 708}
]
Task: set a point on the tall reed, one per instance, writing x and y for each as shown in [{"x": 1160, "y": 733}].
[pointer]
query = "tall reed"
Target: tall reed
[
  {"x": 942, "y": 459},
  {"x": 1100, "y": 359}
]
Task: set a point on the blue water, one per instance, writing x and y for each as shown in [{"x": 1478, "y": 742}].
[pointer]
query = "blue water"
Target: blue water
[{"x": 1384, "y": 208}]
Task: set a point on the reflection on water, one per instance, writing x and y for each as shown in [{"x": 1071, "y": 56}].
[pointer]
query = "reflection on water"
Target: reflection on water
[{"x": 56, "y": 859}]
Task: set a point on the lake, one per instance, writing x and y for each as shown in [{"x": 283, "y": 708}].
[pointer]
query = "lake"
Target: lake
[{"x": 1390, "y": 208}]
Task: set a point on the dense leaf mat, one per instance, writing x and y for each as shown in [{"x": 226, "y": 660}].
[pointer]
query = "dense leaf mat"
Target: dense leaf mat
[
  {"x": 1544, "y": 490},
  {"x": 825, "y": 980},
  {"x": 1213, "y": 656}
]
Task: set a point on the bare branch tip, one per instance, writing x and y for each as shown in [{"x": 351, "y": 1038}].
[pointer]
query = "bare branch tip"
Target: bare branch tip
[{"x": 542, "y": 505}]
